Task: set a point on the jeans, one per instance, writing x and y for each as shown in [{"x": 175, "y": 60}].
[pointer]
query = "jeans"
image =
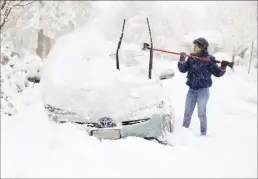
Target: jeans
[{"x": 201, "y": 97}]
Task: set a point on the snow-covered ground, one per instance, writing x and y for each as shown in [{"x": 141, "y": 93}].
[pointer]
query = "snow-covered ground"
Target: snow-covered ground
[{"x": 32, "y": 146}]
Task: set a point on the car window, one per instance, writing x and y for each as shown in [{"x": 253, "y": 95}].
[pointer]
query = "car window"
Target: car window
[
  {"x": 128, "y": 58},
  {"x": 133, "y": 62}
]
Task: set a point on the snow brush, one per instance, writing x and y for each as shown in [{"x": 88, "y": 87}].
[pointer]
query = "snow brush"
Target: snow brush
[{"x": 147, "y": 46}]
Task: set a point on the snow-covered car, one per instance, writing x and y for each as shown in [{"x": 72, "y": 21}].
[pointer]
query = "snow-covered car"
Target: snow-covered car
[{"x": 110, "y": 103}]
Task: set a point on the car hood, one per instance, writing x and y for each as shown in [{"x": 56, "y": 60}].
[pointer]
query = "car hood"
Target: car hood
[
  {"x": 120, "y": 104},
  {"x": 96, "y": 89}
]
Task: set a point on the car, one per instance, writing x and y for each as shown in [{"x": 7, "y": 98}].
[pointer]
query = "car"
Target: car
[{"x": 109, "y": 103}]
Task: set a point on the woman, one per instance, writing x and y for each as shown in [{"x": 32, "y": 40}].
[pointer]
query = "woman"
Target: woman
[{"x": 199, "y": 81}]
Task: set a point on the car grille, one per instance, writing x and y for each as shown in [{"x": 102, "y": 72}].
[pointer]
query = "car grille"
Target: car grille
[
  {"x": 58, "y": 111},
  {"x": 97, "y": 125}
]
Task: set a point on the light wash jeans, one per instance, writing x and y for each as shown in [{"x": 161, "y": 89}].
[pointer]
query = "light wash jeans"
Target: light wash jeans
[{"x": 201, "y": 97}]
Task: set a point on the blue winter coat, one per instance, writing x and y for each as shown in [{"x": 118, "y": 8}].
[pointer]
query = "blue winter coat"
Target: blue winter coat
[{"x": 199, "y": 72}]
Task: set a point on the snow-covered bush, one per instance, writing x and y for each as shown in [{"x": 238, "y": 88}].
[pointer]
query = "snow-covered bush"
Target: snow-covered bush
[
  {"x": 7, "y": 107},
  {"x": 7, "y": 93},
  {"x": 237, "y": 21},
  {"x": 16, "y": 76}
]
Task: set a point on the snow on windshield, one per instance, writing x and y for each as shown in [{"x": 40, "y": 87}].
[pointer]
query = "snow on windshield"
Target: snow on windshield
[{"x": 84, "y": 80}]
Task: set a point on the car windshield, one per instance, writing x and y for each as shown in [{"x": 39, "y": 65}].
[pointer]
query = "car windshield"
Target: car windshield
[{"x": 94, "y": 87}]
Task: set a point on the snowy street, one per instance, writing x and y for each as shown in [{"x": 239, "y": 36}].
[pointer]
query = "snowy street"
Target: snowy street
[{"x": 34, "y": 147}]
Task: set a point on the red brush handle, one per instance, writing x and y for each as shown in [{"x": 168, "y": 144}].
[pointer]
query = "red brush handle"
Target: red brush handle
[{"x": 200, "y": 58}]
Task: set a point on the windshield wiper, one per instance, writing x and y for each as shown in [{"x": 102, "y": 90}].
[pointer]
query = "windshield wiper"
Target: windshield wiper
[
  {"x": 151, "y": 50},
  {"x": 118, "y": 47}
]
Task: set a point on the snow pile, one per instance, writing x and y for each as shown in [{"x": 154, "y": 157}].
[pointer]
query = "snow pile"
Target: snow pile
[
  {"x": 86, "y": 82},
  {"x": 16, "y": 73}
]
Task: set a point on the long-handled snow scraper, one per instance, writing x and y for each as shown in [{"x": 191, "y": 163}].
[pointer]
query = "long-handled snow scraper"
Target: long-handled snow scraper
[{"x": 147, "y": 46}]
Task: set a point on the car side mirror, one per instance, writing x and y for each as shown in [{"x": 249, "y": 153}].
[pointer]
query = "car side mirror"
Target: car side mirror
[{"x": 166, "y": 75}]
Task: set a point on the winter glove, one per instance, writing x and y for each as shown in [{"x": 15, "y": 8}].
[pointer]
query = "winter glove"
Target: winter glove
[
  {"x": 224, "y": 64},
  {"x": 182, "y": 56}
]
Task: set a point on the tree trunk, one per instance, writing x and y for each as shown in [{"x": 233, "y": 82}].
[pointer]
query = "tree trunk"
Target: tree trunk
[
  {"x": 233, "y": 59},
  {"x": 250, "y": 61},
  {"x": 44, "y": 42}
]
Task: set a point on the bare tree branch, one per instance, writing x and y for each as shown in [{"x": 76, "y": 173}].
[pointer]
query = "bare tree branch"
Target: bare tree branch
[
  {"x": 3, "y": 5},
  {"x": 7, "y": 8},
  {"x": 6, "y": 14},
  {"x": 23, "y": 5},
  {"x": 17, "y": 4}
]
